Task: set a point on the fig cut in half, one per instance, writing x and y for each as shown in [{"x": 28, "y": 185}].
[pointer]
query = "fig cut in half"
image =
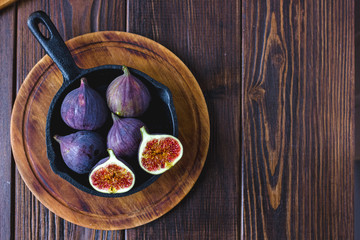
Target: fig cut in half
[
  {"x": 158, "y": 153},
  {"x": 111, "y": 175}
]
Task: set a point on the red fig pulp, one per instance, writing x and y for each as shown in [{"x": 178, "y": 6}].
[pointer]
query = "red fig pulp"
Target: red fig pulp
[
  {"x": 81, "y": 150},
  {"x": 124, "y": 136},
  {"x": 83, "y": 108},
  {"x": 158, "y": 153},
  {"x": 111, "y": 175},
  {"x": 127, "y": 96}
]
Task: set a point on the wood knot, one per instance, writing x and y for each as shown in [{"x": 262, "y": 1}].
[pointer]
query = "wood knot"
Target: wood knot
[
  {"x": 277, "y": 59},
  {"x": 256, "y": 93}
]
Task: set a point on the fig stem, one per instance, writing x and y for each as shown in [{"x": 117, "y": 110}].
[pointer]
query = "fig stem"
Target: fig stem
[
  {"x": 56, "y": 137},
  {"x": 111, "y": 153},
  {"x": 83, "y": 81},
  {"x": 114, "y": 117},
  {"x": 125, "y": 70},
  {"x": 143, "y": 131}
]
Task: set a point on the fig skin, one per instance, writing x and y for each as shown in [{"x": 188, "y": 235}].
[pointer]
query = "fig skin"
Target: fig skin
[
  {"x": 127, "y": 96},
  {"x": 111, "y": 180},
  {"x": 124, "y": 136},
  {"x": 158, "y": 156},
  {"x": 83, "y": 108},
  {"x": 81, "y": 150}
]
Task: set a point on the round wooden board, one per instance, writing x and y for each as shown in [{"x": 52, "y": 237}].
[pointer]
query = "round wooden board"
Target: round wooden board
[{"x": 28, "y": 133}]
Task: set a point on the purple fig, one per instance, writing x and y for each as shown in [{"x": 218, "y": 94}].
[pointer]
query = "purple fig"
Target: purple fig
[
  {"x": 81, "y": 150},
  {"x": 127, "y": 96},
  {"x": 124, "y": 136},
  {"x": 83, "y": 108}
]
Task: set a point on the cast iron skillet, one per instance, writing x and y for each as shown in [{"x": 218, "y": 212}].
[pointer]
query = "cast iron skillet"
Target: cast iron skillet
[{"x": 159, "y": 118}]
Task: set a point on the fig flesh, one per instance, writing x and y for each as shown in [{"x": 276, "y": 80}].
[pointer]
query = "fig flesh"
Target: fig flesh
[
  {"x": 127, "y": 96},
  {"x": 111, "y": 175},
  {"x": 158, "y": 153},
  {"x": 81, "y": 150},
  {"x": 83, "y": 108},
  {"x": 124, "y": 136}
]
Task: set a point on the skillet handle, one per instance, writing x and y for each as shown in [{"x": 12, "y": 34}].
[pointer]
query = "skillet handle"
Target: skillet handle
[{"x": 54, "y": 45}]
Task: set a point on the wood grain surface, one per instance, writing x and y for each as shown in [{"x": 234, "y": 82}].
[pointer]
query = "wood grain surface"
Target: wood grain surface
[
  {"x": 357, "y": 80},
  {"x": 7, "y": 23},
  {"x": 279, "y": 94},
  {"x": 297, "y": 119}
]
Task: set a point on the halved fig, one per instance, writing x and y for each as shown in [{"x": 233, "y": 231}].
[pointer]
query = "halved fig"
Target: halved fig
[
  {"x": 158, "y": 153},
  {"x": 111, "y": 175}
]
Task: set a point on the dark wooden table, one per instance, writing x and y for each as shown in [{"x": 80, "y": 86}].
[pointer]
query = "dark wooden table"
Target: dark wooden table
[{"x": 278, "y": 79}]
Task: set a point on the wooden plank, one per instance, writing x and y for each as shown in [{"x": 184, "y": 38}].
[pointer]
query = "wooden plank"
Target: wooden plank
[
  {"x": 357, "y": 78},
  {"x": 7, "y": 35},
  {"x": 206, "y": 36},
  {"x": 356, "y": 199},
  {"x": 72, "y": 18},
  {"x": 298, "y": 103}
]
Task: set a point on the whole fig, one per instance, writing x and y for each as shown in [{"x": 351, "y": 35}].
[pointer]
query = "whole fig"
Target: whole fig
[
  {"x": 83, "y": 108},
  {"x": 124, "y": 136},
  {"x": 127, "y": 96},
  {"x": 81, "y": 150},
  {"x": 112, "y": 175}
]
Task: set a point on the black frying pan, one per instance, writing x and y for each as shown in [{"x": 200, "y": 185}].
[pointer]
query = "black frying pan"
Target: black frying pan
[{"x": 159, "y": 118}]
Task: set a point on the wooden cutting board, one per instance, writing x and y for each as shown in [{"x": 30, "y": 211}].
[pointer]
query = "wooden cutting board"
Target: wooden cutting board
[
  {"x": 28, "y": 133},
  {"x": 5, "y": 3}
]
